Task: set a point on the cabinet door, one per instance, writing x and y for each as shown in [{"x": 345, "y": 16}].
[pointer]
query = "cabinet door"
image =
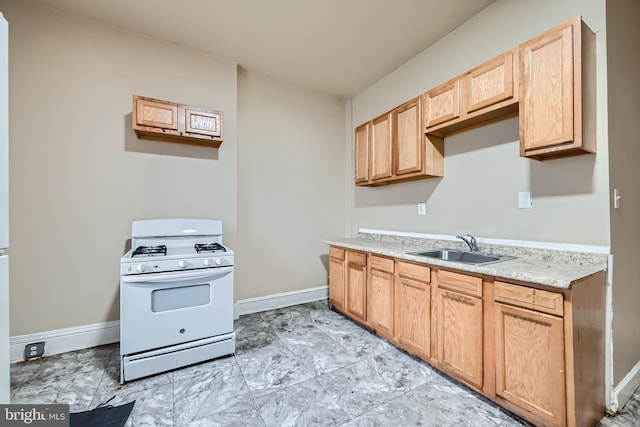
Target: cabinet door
[
  {"x": 380, "y": 302},
  {"x": 206, "y": 123},
  {"x": 547, "y": 90},
  {"x": 381, "y": 146},
  {"x": 356, "y": 285},
  {"x": 410, "y": 137},
  {"x": 157, "y": 114},
  {"x": 460, "y": 335},
  {"x": 362, "y": 153},
  {"x": 442, "y": 103},
  {"x": 489, "y": 83},
  {"x": 336, "y": 282},
  {"x": 413, "y": 316},
  {"x": 530, "y": 361}
]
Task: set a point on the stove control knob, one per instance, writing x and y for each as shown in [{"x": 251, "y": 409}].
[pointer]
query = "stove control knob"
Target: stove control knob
[
  {"x": 140, "y": 268},
  {"x": 182, "y": 264},
  {"x": 218, "y": 261},
  {"x": 206, "y": 262}
]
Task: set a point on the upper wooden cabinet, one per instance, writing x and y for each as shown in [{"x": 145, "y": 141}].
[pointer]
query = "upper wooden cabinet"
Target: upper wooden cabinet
[
  {"x": 381, "y": 147},
  {"x": 490, "y": 83},
  {"x": 155, "y": 113},
  {"x": 409, "y": 138},
  {"x": 169, "y": 121},
  {"x": 393, "y": 148},
  {"x": 362, "y": 153},
  {"x": 557, "y": 108},
  {"x": 486, "y": 92},
  {"x": 442, "y": 104}
]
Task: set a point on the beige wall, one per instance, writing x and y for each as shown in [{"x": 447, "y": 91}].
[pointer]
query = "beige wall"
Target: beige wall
[
  {"x": 79, "y": 176},
  {"x": 623, "y": 37},
  {"x": 483, "y": 170},
  {"x": 290, "y": 181}
]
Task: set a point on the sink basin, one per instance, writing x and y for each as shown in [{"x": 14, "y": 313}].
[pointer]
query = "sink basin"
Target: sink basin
[{"x": 464, "y": 257}]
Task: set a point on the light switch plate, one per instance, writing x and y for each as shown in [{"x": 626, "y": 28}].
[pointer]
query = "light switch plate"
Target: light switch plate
[
  {"x": 422, "y": 208},
  {"x": 524, "y": 200}
]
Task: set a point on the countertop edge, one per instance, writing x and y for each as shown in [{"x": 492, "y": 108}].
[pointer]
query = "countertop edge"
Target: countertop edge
[{"x": 546, "y": 273}]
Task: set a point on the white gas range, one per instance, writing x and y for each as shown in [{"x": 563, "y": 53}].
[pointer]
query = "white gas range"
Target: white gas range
[{"x": 176, "y": 296}]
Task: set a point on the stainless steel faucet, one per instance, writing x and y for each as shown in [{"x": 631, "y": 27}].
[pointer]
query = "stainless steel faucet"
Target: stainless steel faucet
[{"x": 471, "y": 242}]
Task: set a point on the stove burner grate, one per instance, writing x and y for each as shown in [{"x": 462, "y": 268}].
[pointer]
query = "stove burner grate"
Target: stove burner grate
[
  {"x": 159, "y": 250},
  {"x": 209, "y": 247}
]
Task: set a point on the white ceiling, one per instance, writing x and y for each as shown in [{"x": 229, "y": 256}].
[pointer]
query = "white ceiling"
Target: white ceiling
[{"x": 334, "y": 46}]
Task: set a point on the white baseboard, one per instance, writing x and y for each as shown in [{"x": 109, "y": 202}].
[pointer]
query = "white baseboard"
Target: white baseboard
[
  {"x": 68, "y": 339},
  {"x": 625, "y": 388},
  {"x": 285, "y": 299},
  {"x": 87, "y": 336}
]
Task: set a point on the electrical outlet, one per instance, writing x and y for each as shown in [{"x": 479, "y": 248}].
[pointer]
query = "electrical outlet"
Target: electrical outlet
[
  {"x": 422, "y": 208},
  {"x": 524, "y": 200},
  {"x": 34, "y": 350}
]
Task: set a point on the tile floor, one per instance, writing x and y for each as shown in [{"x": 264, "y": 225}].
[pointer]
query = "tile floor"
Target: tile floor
[{"x": 298, "y": 366}]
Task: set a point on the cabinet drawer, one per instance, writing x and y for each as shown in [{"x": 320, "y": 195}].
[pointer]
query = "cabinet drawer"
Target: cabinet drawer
[
  {"x": 336, "y": 252},
  {"x": 356, "y": 258},
  {"x": 460, "y": 282},
  {"x": 537, "y": 299},
  {"x": 381, "y": 263},
  {"x": 414, "y": 271}
]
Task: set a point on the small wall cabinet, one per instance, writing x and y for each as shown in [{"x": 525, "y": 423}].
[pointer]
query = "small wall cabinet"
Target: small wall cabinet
[{"x": 172, "y": 122}]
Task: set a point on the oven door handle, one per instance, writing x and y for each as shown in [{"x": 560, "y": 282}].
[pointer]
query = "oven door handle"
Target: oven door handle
[{"x": 181, "y": 276}]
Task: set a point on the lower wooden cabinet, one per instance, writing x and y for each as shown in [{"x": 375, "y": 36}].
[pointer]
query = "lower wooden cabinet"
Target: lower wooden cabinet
[
  {"x": 460, "y": 335},
  {"x": 336, "y": 277},
  {"x": 356, "y": 284},
  {"x": 539, "y": 353},
  {"x": 380, "y": 295},
  {"x": 413, "y": 308},
  {"x": 530, "y": 361}
]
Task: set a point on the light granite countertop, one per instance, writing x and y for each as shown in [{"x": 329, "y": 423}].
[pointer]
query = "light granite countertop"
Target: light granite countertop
[{"x": 550, "y": 268}]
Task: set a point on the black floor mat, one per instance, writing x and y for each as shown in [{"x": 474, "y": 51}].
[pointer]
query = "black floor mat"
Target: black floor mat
[{"x": 102, "y": 416}]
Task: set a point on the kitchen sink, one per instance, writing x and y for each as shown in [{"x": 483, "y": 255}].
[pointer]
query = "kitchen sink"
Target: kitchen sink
[{"x": 465, "y": 257}]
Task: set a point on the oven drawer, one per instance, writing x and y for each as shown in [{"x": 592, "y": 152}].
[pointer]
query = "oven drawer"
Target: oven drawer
[
  {"x": 164, "y": 309},
  {"x": 152, "y": 362}
]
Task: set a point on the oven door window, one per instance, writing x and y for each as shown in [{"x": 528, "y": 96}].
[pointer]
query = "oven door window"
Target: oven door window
[{"x": 182, "y": 297}]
